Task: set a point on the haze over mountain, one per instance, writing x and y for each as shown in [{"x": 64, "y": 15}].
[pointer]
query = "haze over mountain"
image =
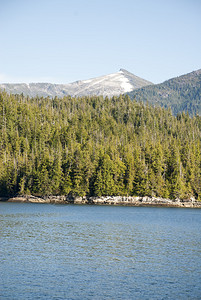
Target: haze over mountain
[
  {"x": 108, "y": 85},
  {"x": 181, "y": 93}
]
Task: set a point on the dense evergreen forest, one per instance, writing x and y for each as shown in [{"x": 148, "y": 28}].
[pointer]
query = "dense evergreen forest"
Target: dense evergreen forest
[
  {"x": 181, "y": 93},
  {"x": 94, "y": 146}
]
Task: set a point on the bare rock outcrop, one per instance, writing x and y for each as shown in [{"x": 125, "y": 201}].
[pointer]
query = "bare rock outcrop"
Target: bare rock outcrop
[{"x": 108, "y": 200}]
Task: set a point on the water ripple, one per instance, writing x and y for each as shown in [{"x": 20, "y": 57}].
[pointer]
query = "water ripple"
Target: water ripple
[{"x": 92, "y": 252}]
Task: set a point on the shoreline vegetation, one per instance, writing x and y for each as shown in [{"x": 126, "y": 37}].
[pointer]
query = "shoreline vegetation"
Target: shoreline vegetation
[
  {"x": 107, "y": 200},
  {"x": 92, "y": 147}
]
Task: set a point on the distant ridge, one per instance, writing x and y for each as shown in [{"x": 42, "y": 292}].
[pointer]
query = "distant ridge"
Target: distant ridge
[
  {"x": 181, "y": 93},
  {"x": 108, "y": 85}
]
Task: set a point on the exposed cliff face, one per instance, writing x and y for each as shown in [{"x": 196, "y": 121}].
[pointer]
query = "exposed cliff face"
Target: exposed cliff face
[
  {"x": 108, "y": 85},
  {"x": 108, "y": 200}
]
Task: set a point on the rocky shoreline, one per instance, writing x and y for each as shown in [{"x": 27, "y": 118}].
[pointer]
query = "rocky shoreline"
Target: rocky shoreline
[{"x": 107, "y": 200}]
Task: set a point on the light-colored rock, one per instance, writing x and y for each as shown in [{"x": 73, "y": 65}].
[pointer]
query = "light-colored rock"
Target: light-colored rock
[{"x": 109, "y": 200}]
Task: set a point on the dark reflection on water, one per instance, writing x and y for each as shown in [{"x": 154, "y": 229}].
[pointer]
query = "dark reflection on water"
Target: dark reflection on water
[{"x": 99, "y": 252}]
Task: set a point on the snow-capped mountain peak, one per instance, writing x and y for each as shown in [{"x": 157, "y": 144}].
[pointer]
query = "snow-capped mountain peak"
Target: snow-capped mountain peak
[{"x": 108, "y": 85}]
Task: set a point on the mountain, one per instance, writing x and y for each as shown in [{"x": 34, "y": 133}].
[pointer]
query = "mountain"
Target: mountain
[
  {"x": 181, "y": 93},
  {"x": 108, "y": 85}
]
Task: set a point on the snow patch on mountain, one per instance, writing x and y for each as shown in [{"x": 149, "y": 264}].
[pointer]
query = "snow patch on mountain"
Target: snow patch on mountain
[{"x": 125, "y": 84}]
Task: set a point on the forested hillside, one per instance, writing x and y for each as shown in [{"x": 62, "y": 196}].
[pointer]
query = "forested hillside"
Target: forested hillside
[
  {"x": 96, "y": 146},
  {"x": 182, "y": 93}
]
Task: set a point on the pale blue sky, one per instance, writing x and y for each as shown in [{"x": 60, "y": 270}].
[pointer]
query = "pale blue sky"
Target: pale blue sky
[{"x": 62, "y": 41}]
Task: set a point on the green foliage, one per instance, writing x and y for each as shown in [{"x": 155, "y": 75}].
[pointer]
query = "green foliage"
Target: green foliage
[
  {"x": 95, "y": 146},
  {"x": 180, "y": 94}
]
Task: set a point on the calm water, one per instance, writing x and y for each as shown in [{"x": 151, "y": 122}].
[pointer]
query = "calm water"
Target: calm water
[{"x": 99, "y": 252}]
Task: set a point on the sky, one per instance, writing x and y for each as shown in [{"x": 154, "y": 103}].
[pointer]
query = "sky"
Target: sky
[{"x": 61, "y": 41}]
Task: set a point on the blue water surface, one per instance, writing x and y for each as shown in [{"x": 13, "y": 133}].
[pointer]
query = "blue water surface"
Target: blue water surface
[{"x": 99, "y": 252}]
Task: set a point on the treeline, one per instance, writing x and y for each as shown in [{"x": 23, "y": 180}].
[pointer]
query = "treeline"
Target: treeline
[{"x": 94, "y": 146}]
